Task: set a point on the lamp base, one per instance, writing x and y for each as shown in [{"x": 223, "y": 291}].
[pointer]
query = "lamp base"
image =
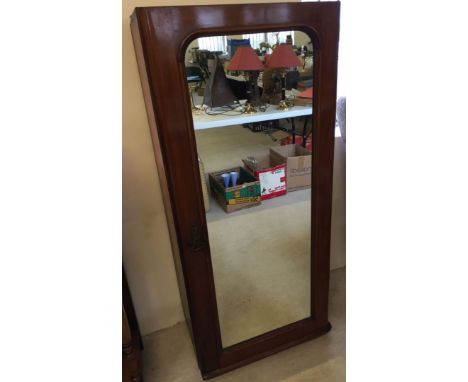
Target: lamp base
[
  {"x": 249, "y": 108},
  {"x": 284, "y": 105}
]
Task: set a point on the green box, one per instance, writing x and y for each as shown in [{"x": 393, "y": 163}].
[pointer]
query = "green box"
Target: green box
[{"x": 245, "y": 194}]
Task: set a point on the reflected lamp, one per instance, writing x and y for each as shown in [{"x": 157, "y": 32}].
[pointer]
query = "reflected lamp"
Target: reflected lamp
[
  {"x": 246, "y": 60},
  {"x": 283, "y": 58}
]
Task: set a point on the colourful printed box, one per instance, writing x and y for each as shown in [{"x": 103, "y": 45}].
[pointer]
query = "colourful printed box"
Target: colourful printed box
[
  {"x": 245, "y": 194},
  {"x": 272, "y": 177}
]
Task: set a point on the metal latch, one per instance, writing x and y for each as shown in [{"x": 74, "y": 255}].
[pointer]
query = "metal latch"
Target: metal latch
[{"x": 196, "y": 238}]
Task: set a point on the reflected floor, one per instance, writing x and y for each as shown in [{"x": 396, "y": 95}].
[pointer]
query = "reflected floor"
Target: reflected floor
[
  {"x": 261, "y": 264},
  {"x": 260, "y": 255}
]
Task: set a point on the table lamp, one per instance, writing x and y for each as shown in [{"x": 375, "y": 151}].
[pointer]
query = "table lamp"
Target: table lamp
[
  {"x": 246, "y": 60},
  {"x": 282, "y": 58},
  {"x": 218, "y": 93}
]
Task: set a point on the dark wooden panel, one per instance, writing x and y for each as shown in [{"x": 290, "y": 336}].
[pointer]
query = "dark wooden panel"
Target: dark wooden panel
[
  {"x": 138, "y": 44},
  {"x": 161, "y": 36}
]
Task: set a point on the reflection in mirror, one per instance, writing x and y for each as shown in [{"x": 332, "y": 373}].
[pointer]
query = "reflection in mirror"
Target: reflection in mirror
[{"x": 252, "y": 111}]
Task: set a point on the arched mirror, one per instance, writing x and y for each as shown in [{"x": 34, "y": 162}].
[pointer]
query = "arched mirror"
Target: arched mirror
[
  {"x": 241, "y": 104},
  {"x": 251, "y": 99}
]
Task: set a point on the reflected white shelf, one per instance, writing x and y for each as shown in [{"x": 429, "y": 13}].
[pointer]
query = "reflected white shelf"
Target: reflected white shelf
[
  {"x": 201, "y": 120},
  {"x": 205, "y": 121}
]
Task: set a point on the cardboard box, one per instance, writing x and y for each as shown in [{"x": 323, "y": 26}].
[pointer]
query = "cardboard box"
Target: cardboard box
[
  {"x": 301, "y": 101},
  {"x": 298, "y": 165},
  {"x": 245, "y": 194},
  {"x": 272, "y": 177}
]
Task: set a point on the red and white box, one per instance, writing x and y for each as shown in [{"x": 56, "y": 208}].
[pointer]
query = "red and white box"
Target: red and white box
[{"x": 272, "y": 178}]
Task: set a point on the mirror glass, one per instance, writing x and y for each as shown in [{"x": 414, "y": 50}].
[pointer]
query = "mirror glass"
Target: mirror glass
[{"x": 251, "y": 98}]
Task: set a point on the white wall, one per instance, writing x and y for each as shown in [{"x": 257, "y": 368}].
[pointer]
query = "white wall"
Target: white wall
[{"x": 300, "y": 38}]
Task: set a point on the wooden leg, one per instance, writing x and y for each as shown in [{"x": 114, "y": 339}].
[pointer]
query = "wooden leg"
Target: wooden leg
[
  {"x": 304, "y": 133},
  {"x": 293, "y": 125}
]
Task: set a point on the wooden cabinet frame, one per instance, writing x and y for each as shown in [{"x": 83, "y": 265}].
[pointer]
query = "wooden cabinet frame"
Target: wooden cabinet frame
[{"x": 161, "y": 36}]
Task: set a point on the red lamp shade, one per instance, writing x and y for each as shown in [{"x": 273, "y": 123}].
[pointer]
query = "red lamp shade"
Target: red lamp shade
[
  {"x": 283, "y": 57},
  {"x": 245, "y": 58}
]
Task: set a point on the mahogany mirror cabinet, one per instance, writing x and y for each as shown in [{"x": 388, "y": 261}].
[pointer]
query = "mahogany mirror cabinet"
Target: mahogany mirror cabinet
[{"x": 254, "y": 280}]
